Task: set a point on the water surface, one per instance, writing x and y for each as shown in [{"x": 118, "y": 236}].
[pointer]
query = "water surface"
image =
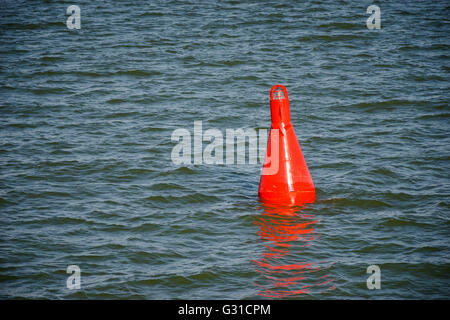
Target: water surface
[{"x": 87, "y": 178}]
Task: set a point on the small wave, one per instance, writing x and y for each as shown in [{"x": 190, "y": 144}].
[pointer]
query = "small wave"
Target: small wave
[
  {"x": 167, "y": 186},
  {"x": 171, "y": 280},
  {"x": 232, "y": 63},
  {"x": 116, "y": 101},
  {"x": 32, "y": 26},
  {"x": 191, "y": 198},
  {"x": 402, "y": 222},
  {"x": 51, "y": 58},
  {"x": 60, "y": 221},
  {"x": 43, "y": 194},
  {"x": 138, "y": 171},
  {"x": 329, "y": 38},
  {"x": 380, "y": 106},
  {"x": 152, "y": 129},
  {"x": 149, "y": 100},
  {"x": 339, "y": 26},
  {"x": 384, "y": 172},
  {"x": 58, "y": 163},
  {"x": 135, "y": 73},
  {"x": 42, "y": 91},
  {"x": 152, "y": 14},
  {"x": 23, "y": 125},
  {"x": 121, "y": 115},
  {"x": 432, "y": 116},
  {"x": 138, "y": 73},
  {"x": 4, "y": 202},
  {"x": 362, "y": 203},
  {"x": 247, "y": 77},
  {"x": 178, "y": 171},
  {"x": 145, "y": 227},
  {"x": 151, "y": 257},
  {"x": 110, "y": 227},
  {"x": 112, "y": 246},
  {"x": 333, "y": 165}
]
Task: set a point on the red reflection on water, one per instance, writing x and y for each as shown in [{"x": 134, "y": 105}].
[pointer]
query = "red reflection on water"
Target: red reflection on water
[{"x": 285, "y": 265}]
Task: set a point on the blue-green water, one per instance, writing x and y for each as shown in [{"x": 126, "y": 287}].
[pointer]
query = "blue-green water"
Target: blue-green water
[{"x": 85, "y": 150}]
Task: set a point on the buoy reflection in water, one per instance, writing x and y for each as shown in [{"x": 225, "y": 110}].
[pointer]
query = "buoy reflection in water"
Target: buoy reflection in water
[{"x": 288, "y": 236}]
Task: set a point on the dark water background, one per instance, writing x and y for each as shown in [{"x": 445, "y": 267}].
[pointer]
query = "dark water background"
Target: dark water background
[{"x": 86, "y": 176}]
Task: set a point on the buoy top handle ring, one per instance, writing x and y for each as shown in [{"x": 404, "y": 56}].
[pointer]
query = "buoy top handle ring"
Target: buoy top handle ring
[
  {"x": 279, "y": 105},
  {"x": 278, "y": 92}
]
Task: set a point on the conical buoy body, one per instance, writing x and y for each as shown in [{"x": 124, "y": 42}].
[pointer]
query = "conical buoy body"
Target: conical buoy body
[{"x": 285, "y": 178}]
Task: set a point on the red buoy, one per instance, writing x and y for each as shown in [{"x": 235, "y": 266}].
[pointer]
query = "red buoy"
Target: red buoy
[{"x": 285, "y": 178}]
